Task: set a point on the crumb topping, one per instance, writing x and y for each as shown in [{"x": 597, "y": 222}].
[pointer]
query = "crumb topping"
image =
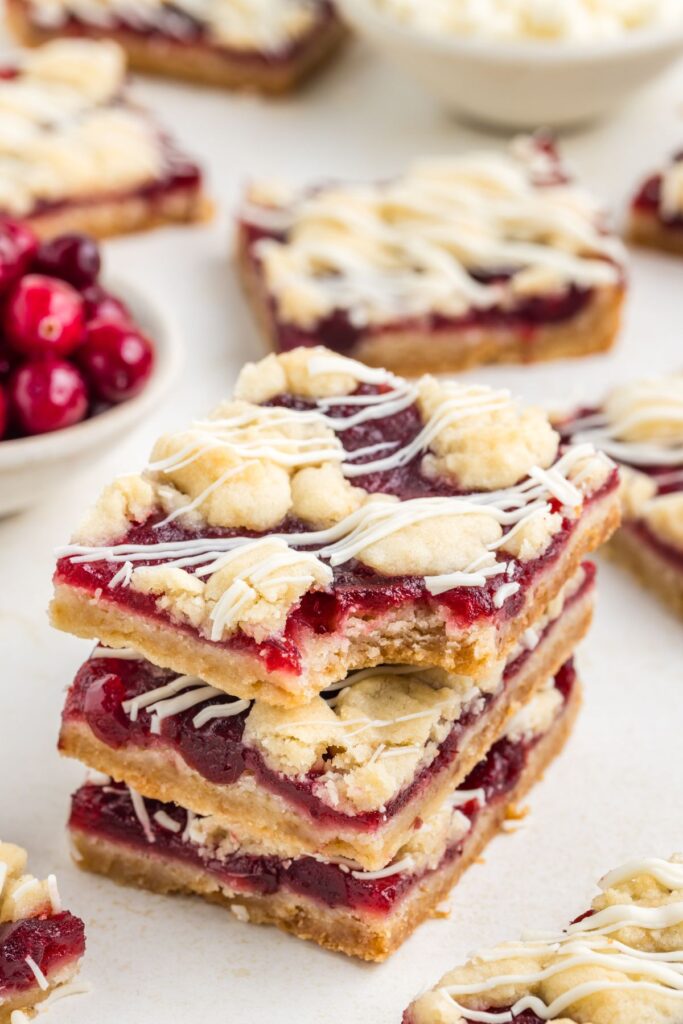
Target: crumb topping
[
  {"x": 260, "y": 469},
  {"x": 622, "y": 962},
  {"x": 264, "y": 25},
  {"x": 425, "y": 242},
  {"x": 22, "y": 895},
  {"x": 66, "y": 131}
]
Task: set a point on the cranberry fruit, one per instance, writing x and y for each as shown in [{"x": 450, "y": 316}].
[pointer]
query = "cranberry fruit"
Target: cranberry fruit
[
  {"x": 47, "y": 395},
  {"x": 3, "y": 412},
  {"x": 73, "y": 257},
  {"x": 117, "y": 360},
  {"x": 44, "y": 317},
  {"x": 102, "y": 305},
  {"x": 18, "y": 245}
]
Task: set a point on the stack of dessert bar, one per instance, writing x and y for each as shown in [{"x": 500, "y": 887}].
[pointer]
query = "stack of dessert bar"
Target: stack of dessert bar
[{"x": 339, "y": 617}]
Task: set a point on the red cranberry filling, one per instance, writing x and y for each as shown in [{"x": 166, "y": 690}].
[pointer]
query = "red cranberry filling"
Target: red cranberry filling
[
  {"x": 108, "y": 812},
  {"x": 51, "y": 942}
]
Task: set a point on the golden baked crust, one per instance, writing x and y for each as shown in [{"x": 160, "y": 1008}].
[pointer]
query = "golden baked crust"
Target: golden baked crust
[
  {"x": 200, "y": 64},
  {"x": 360, "y": 936},
  {"x": 647, "y": 229},
  {"x": 412, "y": 352},
  {"x": 256, "y": 813},
  {"x": 619, "y": 962}
]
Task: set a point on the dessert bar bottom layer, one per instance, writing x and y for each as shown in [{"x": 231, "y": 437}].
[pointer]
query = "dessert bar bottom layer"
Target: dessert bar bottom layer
[
  {"x": 363, "y": 914},
  {"x": 54, "y": 944},
  {"x": 648, "y": 230},
  {"x": 654, "y": 563}
]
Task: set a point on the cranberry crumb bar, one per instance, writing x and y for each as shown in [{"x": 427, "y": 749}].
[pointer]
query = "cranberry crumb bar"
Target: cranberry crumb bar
[
  {"x": 334, "y": 517},
  {"x": 41, "y": 945},
  {"x": 618, "y": 963},
  {"x": 234, "y": 43},
  {"x": 461, "y": 260},
  {"x": 344, "y": 776},
  {"x": 76, "y": 154},
  {"x": 367, "y": 914},
  {"x": 656, "y": 214},
  {"x": 640, "y": 425}
]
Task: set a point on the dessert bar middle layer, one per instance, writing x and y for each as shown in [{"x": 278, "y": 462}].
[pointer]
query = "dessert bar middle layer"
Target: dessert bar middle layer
[
  {"x": 365, "y": 914},
  {"x": 332, "y": 518},
  {"x": 344, "y": 776}
]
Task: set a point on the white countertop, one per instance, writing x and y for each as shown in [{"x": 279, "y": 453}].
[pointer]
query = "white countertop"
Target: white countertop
[{"x": 617, "y": 790}]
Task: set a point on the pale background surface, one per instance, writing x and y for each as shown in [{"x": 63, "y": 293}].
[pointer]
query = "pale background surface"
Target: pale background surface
[{"x": 618, "y": 789}]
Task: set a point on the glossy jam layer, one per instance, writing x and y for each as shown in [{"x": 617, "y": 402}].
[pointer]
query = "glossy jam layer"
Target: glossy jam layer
[
  {"x": 51, "y": 942},
  {"x": 177, "y": 29},
  {"x": 671, "y": 555},
  {"x": 107, "y": 811},
  {"x": 356, "y": 589},
  {"x": 216, "y": 749},
  {"x": 648, "y": 201},
  {"x": 338, "y": 332}
]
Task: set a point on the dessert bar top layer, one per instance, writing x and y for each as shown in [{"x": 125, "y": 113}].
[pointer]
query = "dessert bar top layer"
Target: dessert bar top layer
[
  {"x": 640, "y": 425},
  {"x": 272, "y": 29},
  {"x": 67, "y": 131},
  {"x": 325, "y": 488},
  {"x": 620, "y": 961},
  {"x": 350, "y": 751},
  {"x": 454, "y": 234}
]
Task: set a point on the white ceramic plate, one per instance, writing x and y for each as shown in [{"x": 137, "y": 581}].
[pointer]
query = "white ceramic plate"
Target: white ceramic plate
[{"x": 30, "y": 467}]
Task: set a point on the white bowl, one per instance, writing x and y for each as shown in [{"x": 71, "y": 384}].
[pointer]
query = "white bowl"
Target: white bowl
[
  {"x": 521, "y": 85},
  {"x": 30, "y": 467}
]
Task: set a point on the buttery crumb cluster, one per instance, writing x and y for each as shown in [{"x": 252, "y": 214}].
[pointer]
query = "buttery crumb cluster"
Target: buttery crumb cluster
[
  {"x": 620, "y": 962},
  {"x": 311, "y": 697},
  {"x": 22, "y": 895}
]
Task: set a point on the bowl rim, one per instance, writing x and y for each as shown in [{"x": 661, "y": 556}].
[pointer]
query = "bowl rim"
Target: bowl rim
[
  {"x": 163, "y": 330},
  {"x": 637, "y": 42}
]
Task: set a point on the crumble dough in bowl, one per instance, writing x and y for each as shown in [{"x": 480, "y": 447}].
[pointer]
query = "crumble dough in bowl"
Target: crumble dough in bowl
[
  {"x": 30, "y": 467},
  {"x": 492, "y": 63}
]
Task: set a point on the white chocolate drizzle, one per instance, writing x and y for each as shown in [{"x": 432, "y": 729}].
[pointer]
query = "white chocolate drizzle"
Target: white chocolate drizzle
[
  {"x": 42, "y": 981},
  {"x": 586, "y": 943}
]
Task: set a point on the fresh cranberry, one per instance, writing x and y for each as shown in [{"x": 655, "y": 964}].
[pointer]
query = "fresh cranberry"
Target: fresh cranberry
[
  {"x": 3, "y": 412},
  {"x": 44, "y": 317},
  {"x": 47, "y": 395},
  {"x": 102, "y": 305},
  {"x": 117, "y": 359},
  {"x": 8, "y": 359},
  {"x": 73, "y": 257},
  {"x": 18, "y": 245}
]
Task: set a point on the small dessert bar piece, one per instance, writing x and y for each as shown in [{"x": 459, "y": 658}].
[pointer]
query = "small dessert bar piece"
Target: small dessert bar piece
[
  {"x": 76, "y": 155},
  {"x": 41, "y": 945},
  {"x": 656, "y": 214},
  {"x": 344, "y": 776},
  {"x": 367, "y": 914},
  {"x": 234, "y": 43},
  {"x": 618, "y": 963},
  {"x": 463, "y": 260},
  {"x": 640, "y": 425},
  {"x": 333, "y": 517}
]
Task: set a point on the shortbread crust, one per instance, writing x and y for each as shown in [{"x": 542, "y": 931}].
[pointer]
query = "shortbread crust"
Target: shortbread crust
[
  {"x": 305, "y": 563},
  {"x": 372, "y": 839},
  {"x": 171, "y": 57},
  {"x": 365, "y": 935},
  {"x": 655, "y": 217}
]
